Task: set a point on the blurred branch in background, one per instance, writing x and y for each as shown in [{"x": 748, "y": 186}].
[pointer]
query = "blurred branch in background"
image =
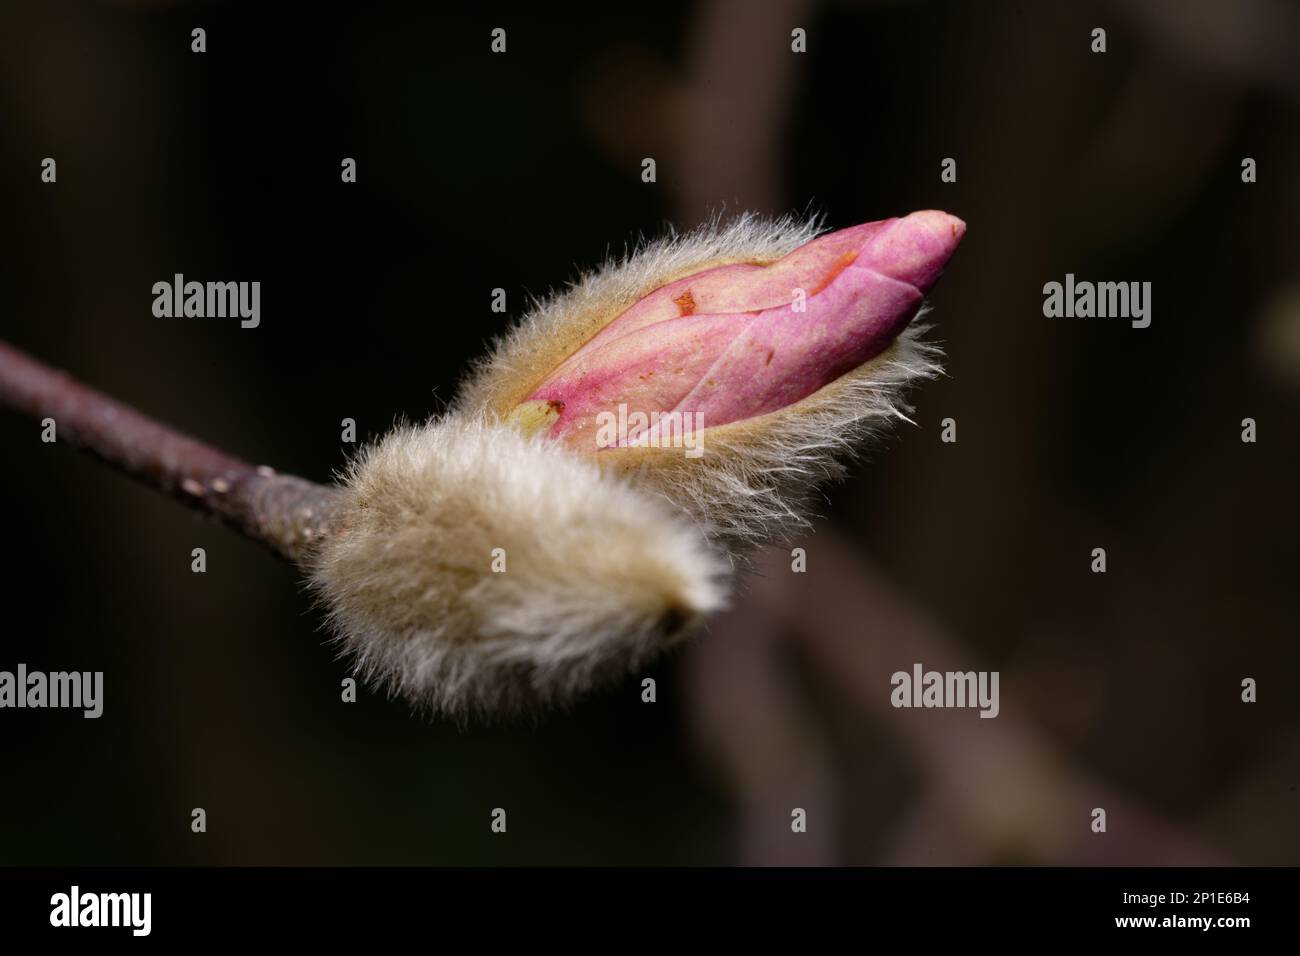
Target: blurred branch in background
[
  {"x": 991, "y": 790},
  {"x": 763, "y": 738},
  {"x": 718, "y": 124},
  {"x": 988, "y": 790},
  {"x": 1251, "y": 42}
]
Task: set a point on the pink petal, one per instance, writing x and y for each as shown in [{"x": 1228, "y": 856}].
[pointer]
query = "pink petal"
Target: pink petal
[{"x": 727, "y": 342}]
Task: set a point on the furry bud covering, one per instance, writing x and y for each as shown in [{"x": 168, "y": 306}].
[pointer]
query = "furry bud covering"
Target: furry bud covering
[{"x": 475, "y": 569}]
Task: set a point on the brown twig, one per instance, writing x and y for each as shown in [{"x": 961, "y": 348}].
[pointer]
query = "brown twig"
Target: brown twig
[{"x": 280, "y": 511}]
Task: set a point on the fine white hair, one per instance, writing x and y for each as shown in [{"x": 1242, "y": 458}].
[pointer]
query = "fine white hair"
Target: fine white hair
[
  {"x": 476, "y": 568},
  {"x": 756, "y": 479}
]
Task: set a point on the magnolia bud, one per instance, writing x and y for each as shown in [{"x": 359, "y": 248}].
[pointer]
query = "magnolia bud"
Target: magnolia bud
[
  {"x": 562, "y": 462},
  {"x": 727, "y": 343},
  {"x": 724, "y": 369}
]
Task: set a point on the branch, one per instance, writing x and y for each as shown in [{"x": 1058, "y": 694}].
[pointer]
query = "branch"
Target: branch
[
  {"x": 994, "y": 787},
  {"x": 280, "y": 511}
]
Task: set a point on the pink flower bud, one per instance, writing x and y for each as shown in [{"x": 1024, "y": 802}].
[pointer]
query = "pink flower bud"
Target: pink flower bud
[
  {"x": 790, "y": 352},
  {"x": 737, "y": 341}
]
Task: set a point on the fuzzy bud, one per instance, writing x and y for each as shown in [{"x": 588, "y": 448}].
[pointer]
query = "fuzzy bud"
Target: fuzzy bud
[
  {"x": 478, "y": 571},
  {"x": 738, "y": 341},
  {"x": 785, "y": 349},
  {"x": 731, "y": 368}
]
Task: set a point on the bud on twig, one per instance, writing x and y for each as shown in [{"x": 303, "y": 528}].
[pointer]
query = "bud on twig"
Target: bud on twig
[{"x": 785, "y": 349}]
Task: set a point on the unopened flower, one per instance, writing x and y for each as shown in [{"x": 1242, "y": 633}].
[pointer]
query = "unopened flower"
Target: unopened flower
[
  {"x": 784, "y": 348},
  {"x": 518, "y": 550}
]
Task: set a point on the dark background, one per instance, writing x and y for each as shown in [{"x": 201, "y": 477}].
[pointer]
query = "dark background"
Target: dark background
[{"x": 477, "y": 171}]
